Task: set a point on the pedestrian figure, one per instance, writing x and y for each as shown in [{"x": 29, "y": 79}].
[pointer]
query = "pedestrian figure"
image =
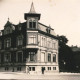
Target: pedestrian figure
[{"x": 28, "y": 70}]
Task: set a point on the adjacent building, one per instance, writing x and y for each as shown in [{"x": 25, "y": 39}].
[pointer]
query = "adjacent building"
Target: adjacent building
[{"x": 30, "y": 44}]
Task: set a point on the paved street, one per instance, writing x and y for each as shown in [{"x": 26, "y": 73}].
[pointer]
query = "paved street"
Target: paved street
[{"x": 61, "y": 76}]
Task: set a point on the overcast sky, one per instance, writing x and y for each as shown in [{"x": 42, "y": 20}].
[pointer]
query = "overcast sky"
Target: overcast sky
[{"x": 62, "y": 15}]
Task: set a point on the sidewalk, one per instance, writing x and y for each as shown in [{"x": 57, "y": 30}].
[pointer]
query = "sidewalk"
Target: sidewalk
[{"x": 56, "y": 76}]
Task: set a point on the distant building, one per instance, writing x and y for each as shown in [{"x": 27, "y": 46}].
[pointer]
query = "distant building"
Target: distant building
[
  {"x": 29, "y": 46},
  {"x": 75, "y": 48}
]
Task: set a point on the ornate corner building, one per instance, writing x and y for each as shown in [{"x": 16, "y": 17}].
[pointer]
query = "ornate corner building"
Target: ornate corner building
[{"x": 30, "y": 44}]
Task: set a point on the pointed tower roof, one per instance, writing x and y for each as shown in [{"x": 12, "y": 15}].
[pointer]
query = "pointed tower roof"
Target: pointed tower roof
[
  {"x": 32, "y": 13},
  {"x": 32, "y": 10}
]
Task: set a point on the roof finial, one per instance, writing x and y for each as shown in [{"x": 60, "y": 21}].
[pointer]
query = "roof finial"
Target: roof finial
[
  {"x": 32, "y": 10},
  {"x": 49, "y": 26},
  {"x": 8, "y": 18}
]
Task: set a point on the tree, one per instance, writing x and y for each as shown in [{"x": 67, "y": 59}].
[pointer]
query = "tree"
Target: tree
[{"x": 65, "y": 55}]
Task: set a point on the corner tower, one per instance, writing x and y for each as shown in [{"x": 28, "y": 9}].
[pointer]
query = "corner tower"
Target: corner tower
[{"x": 32, "y": 18}]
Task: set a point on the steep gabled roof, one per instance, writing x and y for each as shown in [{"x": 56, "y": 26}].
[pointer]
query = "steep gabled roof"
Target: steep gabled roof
[{"x": 32, "y": 10}]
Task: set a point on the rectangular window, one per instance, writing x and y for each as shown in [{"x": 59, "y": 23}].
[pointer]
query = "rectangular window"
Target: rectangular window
[
  {"x": 32, "y": 56},
  {"x": 7, "y": 57},
  {"x": 19, "y": 56},
  {"x": 49, "y": 68},
  {"x": 30, "y": 24},
  {"x": 6, "y": 68},
  {"x": 49, "y": 57},
  {"x": 34, "y": 24},
  {"x": 7, "y": 43},
  {"x": 54, "y": 57},
  {"x": 18, "y": 68},
  {"x": 31, "y": 68},
  {"x": 32, "y": 39},
  {"x": 20, "y": 42},
  {"x": 54, "y": 68}
]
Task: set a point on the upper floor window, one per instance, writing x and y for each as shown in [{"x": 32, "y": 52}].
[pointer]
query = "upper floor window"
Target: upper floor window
[
  {"x": 7, "y": 43},
  {"x": 32, "y": 24},
  {"x": 32, "y": 39},
  {"x": 32, "y": 56},
  {"x": 19, "y": 40},
  {"x": 19, "y": 57},
  {"x": 54, "y": 57},
  {"x": 49, "y": 57}
]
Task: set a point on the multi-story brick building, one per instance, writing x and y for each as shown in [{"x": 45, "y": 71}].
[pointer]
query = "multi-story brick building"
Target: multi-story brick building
[{"x": 30, "y": 44}]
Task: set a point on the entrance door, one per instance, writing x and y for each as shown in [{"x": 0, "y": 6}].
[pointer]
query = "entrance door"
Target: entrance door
[{"x": 42, "y": 57}]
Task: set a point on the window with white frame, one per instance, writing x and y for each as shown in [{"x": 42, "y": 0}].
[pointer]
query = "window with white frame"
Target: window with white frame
[
  {"x": 19, "y": 40},
  {"x": 19, "y": 57},
  {"x": 49, "y": 68},
  {"x": 32, "y": 24},
  {"x": 7, "y": 57},
  {"x": 32, "y": 68},
  {"x": 49, "y": 57},
  {"x": 54, "y": 68},
  {"x": 54, "y": 57},
  {"x": 32, "y": 56},
  {"x": 32, "y": 39},
  {"x": 7, "y": 43}
]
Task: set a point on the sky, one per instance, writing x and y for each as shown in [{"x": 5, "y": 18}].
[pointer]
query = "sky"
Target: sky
[{"x": 62, "y": 15}]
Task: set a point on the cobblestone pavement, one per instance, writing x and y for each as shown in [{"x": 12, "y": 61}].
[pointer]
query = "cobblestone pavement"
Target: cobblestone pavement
[{"x": 61, "y": 76}]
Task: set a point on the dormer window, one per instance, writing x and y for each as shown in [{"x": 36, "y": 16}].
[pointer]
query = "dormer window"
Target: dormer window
[{"x": 32, "y": 24}]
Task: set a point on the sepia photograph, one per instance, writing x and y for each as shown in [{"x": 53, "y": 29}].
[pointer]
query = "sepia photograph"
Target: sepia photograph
[{"x": 39, "y": 39}]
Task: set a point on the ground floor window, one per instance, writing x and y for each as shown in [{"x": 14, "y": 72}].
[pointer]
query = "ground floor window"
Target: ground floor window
[
  {"x": 32, "y": 68},
  {"x": 54, "y": 68},
  {"x": 18, "y": 68},
  {"x": 7, "y": 57},
  {"x": 6, "y": 68},
  {"x": 49, "y": 68}
]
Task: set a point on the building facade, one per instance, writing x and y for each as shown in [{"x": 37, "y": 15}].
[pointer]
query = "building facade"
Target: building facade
[{"x": 29, "y": 46}]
